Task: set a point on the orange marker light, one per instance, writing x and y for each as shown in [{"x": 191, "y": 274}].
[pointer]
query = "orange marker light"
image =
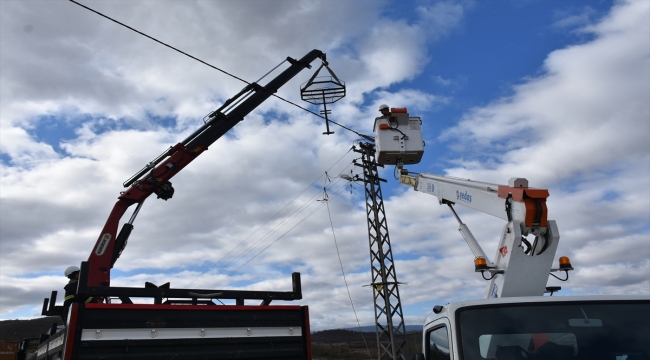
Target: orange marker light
[
  {"x": 565, "y": 263},
  {"x": 480, "y": 264},
  {"x": 383, "y": 126}
]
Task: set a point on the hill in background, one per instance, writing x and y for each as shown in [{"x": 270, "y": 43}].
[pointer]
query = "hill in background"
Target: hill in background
[
  {"x": 16, "y": 330},
  {"x": 371, "y": 328}
]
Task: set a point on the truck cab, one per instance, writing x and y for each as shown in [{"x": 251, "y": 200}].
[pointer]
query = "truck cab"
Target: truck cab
[{"x": 544, "y": 328}]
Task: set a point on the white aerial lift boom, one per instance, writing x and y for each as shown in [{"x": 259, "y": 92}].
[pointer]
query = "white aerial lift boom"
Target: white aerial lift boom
[
  {"x": 520, "y": 267},
  {"x": 514, "y": 321}
]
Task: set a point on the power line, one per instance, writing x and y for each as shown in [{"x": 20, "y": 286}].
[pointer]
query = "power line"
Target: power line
[
  {"x": 330, "y": 120},
  {"x": 216, "y": 68},
  {"x": 338, "y": 253},
  {"x": 210, "y": 267},
  {"x": 339, "y": 191},
  {"x": 226, "y": 273},
  {"x": 158, "y": 41}
]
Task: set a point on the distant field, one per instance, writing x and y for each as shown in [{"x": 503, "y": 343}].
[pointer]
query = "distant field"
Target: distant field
[
  {"x": 16, "y": 330},
  {"x": 353, "y": 345},
  {"x": 371, "y": 328}
]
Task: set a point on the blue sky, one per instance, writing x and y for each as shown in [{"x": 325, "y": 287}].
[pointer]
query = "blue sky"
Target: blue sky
[{"x": 554, "y": 91}]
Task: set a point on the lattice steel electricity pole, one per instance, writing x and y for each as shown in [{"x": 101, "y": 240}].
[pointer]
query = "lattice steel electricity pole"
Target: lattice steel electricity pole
[{"x": 391, "y": 338}]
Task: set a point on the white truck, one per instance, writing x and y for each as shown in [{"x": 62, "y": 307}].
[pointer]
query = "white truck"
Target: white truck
[{"x": 515, "y": 320}]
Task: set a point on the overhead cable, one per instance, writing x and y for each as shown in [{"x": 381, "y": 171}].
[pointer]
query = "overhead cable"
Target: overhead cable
[
  {"x": 214, "y": 67},
  {"x": 267, "y": 221},
  {"x": 338, "y": 191},
  {"x": 160, "y": 42},
  {"x": 226, "y": 273},
  {"x": 338, "y": 253}
]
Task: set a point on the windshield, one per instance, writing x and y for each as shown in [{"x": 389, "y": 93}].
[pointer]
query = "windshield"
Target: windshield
[{"x": 558, "y": 331}]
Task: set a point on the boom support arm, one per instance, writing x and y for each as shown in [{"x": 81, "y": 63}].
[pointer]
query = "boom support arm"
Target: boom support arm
[
  {"x": 154, "y": 178},
  {"x": 520, "y": 267},
  {"x": 526, "y": 204}
]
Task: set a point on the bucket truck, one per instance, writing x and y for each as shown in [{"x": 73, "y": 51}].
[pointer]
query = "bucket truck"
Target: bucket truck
[
  {"x": 177, "y": 323},
  {"x": 514, "y": 320}
]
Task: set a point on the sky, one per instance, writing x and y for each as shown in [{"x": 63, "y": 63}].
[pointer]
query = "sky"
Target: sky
[{"x": 557, "y": 92}]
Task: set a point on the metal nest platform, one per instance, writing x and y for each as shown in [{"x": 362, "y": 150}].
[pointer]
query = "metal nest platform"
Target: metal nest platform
[{"x": 323, "y": 90}]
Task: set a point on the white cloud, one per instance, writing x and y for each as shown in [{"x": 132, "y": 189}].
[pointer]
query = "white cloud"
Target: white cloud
[
  {"x": 580, "y": 129},
  {"x": 591, "y": 98},
  {"x": 571, "y": 19},
  {"x": 441, "y": 17},
  {"x": 221, "y": 197},
  {"x": 27, "y": 152},
  {"x": 582, "y": 119}
]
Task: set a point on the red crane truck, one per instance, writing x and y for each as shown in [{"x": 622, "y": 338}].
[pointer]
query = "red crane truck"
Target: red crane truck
[{"x": 177, "y": 323}]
